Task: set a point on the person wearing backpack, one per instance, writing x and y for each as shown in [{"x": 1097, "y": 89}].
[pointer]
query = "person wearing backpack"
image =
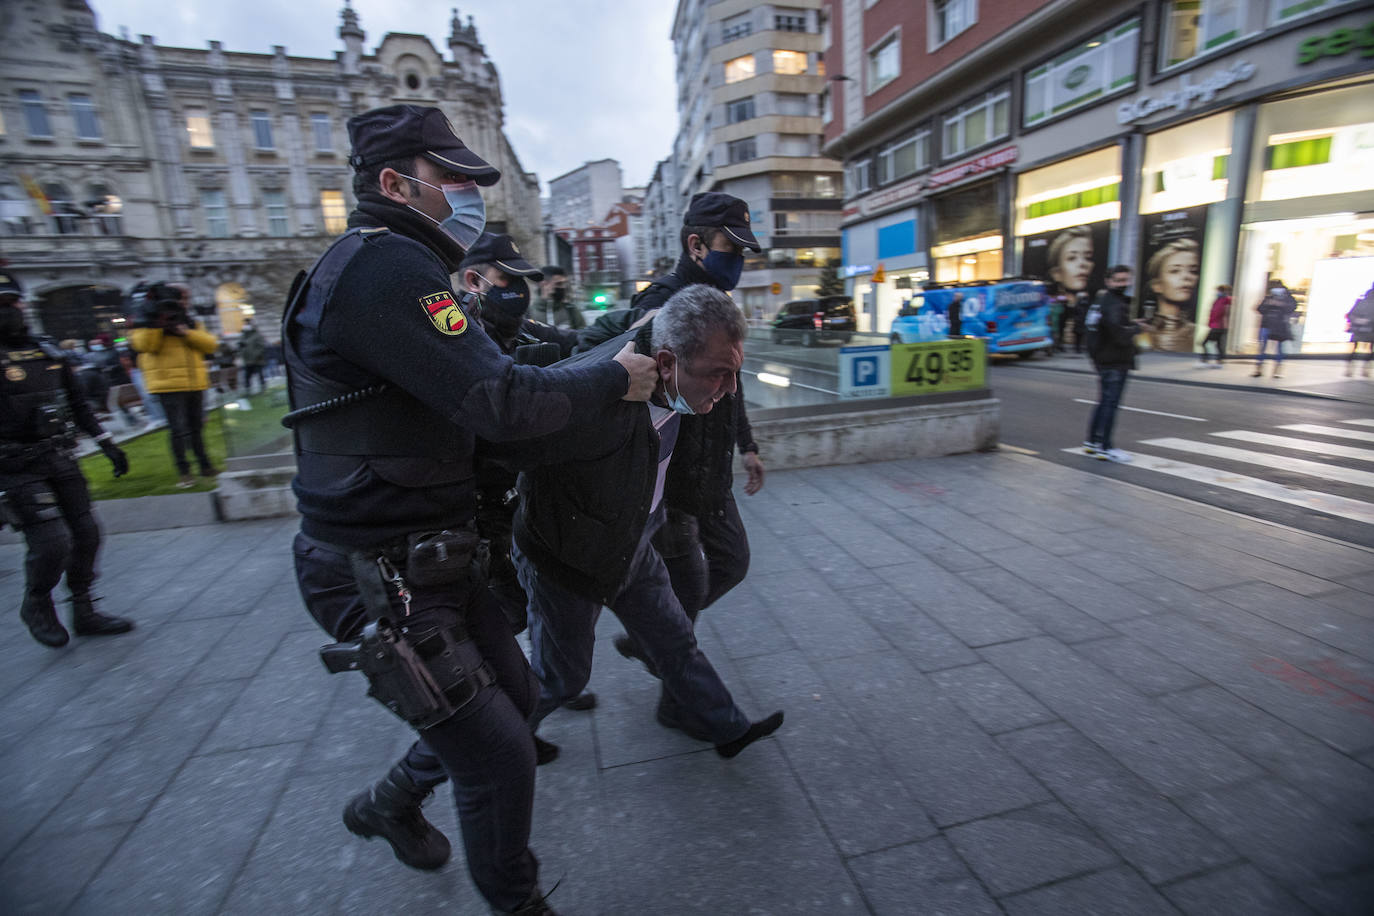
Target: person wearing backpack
[
  {"x": 1110, "y": 339},
  {"x": 1360, "y": 322}
]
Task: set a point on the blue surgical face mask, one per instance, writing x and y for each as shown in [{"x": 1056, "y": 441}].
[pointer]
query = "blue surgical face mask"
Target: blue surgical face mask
[
  {"x": 724, "y": 268},
  {"x": 469, "y": 216},
  {"x": 679, "y": 403}
]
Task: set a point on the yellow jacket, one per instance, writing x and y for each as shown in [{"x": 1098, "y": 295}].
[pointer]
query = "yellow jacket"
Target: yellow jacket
[{"x": 171, "y": 363}]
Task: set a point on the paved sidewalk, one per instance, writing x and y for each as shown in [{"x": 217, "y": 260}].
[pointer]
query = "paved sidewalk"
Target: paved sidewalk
[
  {"x": 1312, "y": 377},
  {"x": 1011, "y": 687}
]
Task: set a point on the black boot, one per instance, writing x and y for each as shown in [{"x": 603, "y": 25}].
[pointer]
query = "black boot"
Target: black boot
[
  {"x": 534, "y": 905},
  {"x": 391, "y": 810},
  {"x": 87, "y": 621},
  {"x": 40, "y": 616}
]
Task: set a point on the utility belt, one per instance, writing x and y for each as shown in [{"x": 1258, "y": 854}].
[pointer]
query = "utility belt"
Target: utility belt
[
  {"x": 423, "y": 666},
  {"x": 16, "y": 454}
]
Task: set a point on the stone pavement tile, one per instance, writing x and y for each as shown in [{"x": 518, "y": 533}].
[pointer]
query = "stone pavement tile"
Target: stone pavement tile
[
  {"x": 1348, "y": 599},
  {"x": 182, "y": 857},
  {"x": 1032, "y": 846},
  {"x": 1292, "y": 839},
  {"x": 924, "y": 877},
  {"x": 1167, "y": 751},
  {"x": 1106, "y": 601},
  {"x": 1048, "y": 612},
  {"x": 862, "y": 802},
  {"x": 830, "y": 561},
  {"x": 1337, "y": 780},
  {"x": 948, "y": 763},
  {"x": 990, "y": 698},
  {"x": 1340, "y": 629},
  {"x": 1029, "y": 532},
  {"x": 44, "y": 768},
  {"x": 819, "y": 622},
  {"x": 1138, "y": 665},
  {"x": 67, "y": 674},
  {"x": 283, "y": 703},
  {"x": 1113, "y": 892},
  {"x": 1121, "y": 567},
  {"x": 698, "y": 834},
  {"x": 965, "y": 530},
  {"x": 972, "y": 616},
  {"x": 1146, "y": 830},
  {"x": 770, "y": 554},
  {"x": 45, "y": 874},
  {"x": 743, "y": 620},
  {"x": 1311, "y": 704},
  {"x": 356, "y": 733},
  {"x": 777, "y": 510},
  {"x": 1238, "y": 889},
  {"x": 928, "y": 645},
  {"x": 129, "y": 780},
  {"x": 145, "y": 675},
  {"x": 250, "y": 640}
]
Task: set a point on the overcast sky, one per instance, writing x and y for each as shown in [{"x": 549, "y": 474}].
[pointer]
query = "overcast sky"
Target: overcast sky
[{"x": 582, "y": 79}]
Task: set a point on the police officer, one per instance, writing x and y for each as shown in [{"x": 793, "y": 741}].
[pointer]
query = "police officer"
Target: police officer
[
  {"x": 390, "y": 385},
  {"x": 44, "y": 494}
]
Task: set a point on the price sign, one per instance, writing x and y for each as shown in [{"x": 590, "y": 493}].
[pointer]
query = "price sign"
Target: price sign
[{"x": 939, "y": 365}]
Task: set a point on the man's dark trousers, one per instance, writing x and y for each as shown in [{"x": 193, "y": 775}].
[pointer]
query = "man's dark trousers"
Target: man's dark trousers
[
  {"x": 68, "y": 543},
  {"x": 707, "y": 557},
  {"x": 1111, "y": 383},
  {"x": 185, "y": 417},
  {"x": 563, "y": 633},
  {"x": 485, "y": 748}
]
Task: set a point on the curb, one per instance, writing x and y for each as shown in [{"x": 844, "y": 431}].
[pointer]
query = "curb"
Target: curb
[{"x": 1139, "y": 376}]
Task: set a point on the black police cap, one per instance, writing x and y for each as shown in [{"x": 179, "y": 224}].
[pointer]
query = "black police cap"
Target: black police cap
[
  {"x": 722, "y": 211},
  {"x": 499, "y": 249},
  {"x": 10, "y": 285},
  {"x": 397, "y": 131}
]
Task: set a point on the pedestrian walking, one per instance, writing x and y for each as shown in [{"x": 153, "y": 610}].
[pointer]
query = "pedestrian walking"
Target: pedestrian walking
[
  {"x": 253, "y": 351},
  {"x": 391, "y": 387},
  {"x": 1111, "y": 345},
  {"x": 42, "y": 491},
  {"x": 1276, "y": 312},
  {"x": 1359, "y": 321},
  {"x": 1216, "y": 327}
]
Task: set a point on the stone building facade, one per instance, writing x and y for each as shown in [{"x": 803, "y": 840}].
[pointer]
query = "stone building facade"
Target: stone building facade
[{"x": 126, "y": 160}]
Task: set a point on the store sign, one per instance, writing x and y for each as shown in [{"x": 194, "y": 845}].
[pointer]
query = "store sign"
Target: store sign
[
  {"x": 1338, "y": 44},
  {"x": 938, "y": 365},
  {"x": 892, "y": 196},
  {"x": 1186, "y": 95},
  {"x": 986, "y": 163},
  {"x": 853, "y": 270}
]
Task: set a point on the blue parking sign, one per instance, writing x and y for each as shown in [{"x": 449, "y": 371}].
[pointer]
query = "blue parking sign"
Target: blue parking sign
[{"x": 865, "y": 372}]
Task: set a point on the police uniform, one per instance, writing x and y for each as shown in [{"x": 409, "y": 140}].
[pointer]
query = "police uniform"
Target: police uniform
[
  {"x": 44, "y": 494},
  {"x": 392, "y": 383}
]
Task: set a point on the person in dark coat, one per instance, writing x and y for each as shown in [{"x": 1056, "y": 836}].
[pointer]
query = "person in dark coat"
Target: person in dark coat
[
  {"x": 1276, "y": 314},
  {"x": 1360, "y": 321}
]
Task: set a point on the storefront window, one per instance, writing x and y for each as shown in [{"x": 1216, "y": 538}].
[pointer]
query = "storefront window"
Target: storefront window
[
  {"x": 1195, "y": 27},
  {"x": 1098, "y": 67},
  {"x": 1084, "y": 189},
  {"x": 1316, "y": 145},
  {"x": 1287, "y": 10},
  {"x": 1186, "y": 166}
]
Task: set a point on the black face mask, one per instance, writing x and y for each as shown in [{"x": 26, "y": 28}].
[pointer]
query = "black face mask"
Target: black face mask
[
  {"x": 509, "y": 302},
  {"x": 559, "y": 294},
  {"x": 11, "y": 322}
]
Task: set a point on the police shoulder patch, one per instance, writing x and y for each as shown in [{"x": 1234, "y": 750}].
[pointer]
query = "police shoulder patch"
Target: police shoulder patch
[{"x": 447, "y": 317}]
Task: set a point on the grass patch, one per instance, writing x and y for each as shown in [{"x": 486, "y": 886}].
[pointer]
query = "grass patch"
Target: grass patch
[{"x": 226, "y": 432}]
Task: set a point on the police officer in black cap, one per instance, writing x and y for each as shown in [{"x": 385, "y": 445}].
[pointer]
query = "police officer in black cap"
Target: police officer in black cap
[
  {"x": 43, "y": 493},
  {"x": 703, "y": 541},
  {"x": 390, "y": 386}
]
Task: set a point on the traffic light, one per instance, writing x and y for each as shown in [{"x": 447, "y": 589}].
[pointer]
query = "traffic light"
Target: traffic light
[{"x": 601, "y": 298}]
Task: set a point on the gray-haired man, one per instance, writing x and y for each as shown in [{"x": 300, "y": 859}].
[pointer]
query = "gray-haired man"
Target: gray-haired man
[{"x": 583, "y": 535}]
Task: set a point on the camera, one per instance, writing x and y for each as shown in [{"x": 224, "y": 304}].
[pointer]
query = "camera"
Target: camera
[{"x": 156, "y": 305}]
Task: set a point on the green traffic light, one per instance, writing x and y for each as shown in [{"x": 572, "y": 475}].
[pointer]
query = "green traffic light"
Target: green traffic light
[{"x": 600, "y": 298}]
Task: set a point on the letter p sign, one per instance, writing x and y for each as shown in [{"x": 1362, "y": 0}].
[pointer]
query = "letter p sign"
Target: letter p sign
[{"x": 865, "y": 371}]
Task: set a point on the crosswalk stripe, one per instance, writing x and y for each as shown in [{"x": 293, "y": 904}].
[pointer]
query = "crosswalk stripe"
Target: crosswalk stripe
[
  {"x": 1266, "y": 460},
  {"x": 1360, "y": 422},
  {"x": 1339, "y": 506},
  {"x": 1158, "y": 413},
  {"x": 1299, "y": 445},
  {"x": 1318, "y": 430}
]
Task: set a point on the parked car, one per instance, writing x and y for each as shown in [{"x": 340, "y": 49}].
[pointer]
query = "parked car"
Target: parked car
[
  {"x": 811, "y": 321},
  {"x": 1013, "y": 316}
]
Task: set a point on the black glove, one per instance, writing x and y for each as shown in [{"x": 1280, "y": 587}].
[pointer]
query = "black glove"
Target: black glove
[{"x": 116, "y": 456}]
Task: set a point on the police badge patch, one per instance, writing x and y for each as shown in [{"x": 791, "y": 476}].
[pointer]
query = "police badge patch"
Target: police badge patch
[{"x": 445, "y": 313}]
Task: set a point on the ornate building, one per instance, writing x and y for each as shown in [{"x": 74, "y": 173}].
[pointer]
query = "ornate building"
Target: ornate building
[{"x": 123, "y": 160}]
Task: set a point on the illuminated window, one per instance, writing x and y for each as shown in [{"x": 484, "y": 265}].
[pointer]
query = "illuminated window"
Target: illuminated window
[
  {"x": 1193, "y": 27},
  {"x": 84, "y": 117},
  {"x": 791, "y": 63},
  {"x": 335, "y": 212},
  {"x": 741, "y": 68},
  {"x": 885, "y": 62},
  {"x": 198, "y": 130},
  {"x": 1099, "y": 66},
  {"x": 1288, "y": 10}
]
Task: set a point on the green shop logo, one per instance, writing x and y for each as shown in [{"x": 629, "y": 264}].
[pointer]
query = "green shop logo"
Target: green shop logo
[
  {"x": 1077, "y": 76},
  {"x": 1338, "y": 44}
]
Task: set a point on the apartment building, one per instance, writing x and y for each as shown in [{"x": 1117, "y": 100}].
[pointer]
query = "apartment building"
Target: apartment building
[
  {"x": 982, "y": 139},
  {"x": 583, "y": 196}
]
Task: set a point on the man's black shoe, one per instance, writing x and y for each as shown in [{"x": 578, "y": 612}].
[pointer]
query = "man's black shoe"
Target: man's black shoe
[
  {"x": 391, "y": 810},
  {"x": 87, "y": 621},
  {"x": 628, "y": 648},
  {"x": 760, "y": 729},
  {"x": 582, "y": 702},
  {"x": 40, "y": 617},
  {"x": 670, "y": 716},
  {"x": 544, "y": 751},
  {"x": 534, "y": 905}
]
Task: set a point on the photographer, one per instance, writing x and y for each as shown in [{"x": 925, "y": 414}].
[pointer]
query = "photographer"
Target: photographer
[
  {"x": 171, "y": 349},
  {"x": 42, "y": 492}
]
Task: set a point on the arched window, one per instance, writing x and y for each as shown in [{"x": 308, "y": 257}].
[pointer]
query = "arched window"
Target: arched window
[
  {"x": 105, "y": 207},
  {"x": 18, "y": 216},
  {"x": 64, "y": 210}
]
